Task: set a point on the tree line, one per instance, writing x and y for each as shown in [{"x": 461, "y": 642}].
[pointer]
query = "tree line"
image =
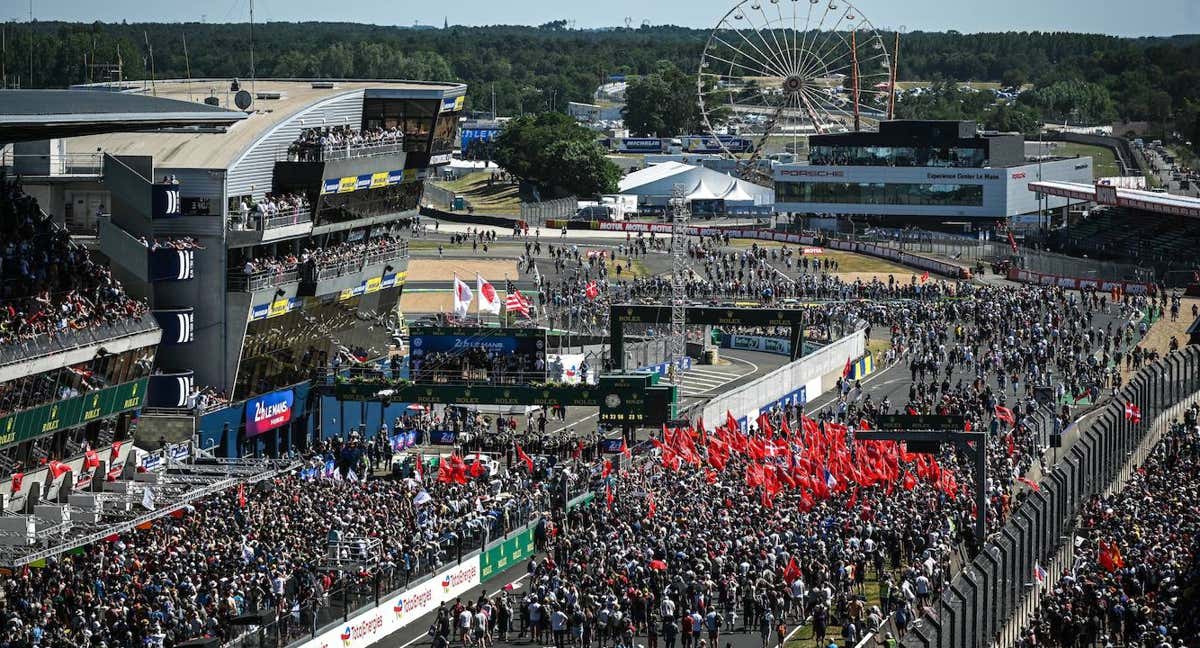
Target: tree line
[{"x": 535, "y": 69}]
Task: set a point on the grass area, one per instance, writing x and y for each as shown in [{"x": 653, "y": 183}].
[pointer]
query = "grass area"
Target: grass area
[
  {"x": 804, "y": 636},
  {"x": 877, "y": 348},
  {"x": 1104, "y": 162},
  {"x": 847, "y": 261},
  {"x": 493, "y": 199},
  {"x": 630, "y": 269}
]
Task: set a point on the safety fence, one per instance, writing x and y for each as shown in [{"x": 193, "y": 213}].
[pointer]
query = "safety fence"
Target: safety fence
[
  {"x": 537, "y": 213},
  {"x": 437, "y": 197},
  {"x": 995, "y": 595}
]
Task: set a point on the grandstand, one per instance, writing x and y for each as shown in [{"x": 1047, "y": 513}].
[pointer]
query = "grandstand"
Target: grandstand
[{"x": 1151, "y": 229}]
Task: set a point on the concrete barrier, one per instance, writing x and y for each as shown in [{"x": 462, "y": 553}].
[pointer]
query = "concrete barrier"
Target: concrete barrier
[{"x": 795, "y": 382}]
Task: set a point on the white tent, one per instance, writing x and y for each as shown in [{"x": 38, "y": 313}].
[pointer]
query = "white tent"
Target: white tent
[
  {"x": 736, "y": 195},
  {"x": 653, "y": 185}
]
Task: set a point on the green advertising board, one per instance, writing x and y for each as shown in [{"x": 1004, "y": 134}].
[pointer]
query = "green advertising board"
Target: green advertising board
[
  {"x": 72, "y": 412},
  {"x": 505, "y": 554}
]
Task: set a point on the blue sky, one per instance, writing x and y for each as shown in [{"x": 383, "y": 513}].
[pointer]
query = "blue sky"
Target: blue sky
[{"x": 1121, "y": 17}]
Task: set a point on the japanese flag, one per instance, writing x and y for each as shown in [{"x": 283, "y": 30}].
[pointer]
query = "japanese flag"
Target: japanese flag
[
  {"x": 489, "y": 300},
  {"x": 462, "y": 297}
]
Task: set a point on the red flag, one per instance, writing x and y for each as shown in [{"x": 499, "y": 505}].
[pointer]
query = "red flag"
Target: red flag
[
  {"x": 1030, "y": 483},
  {"x": 852, "y": 501},
  {"x": 57, "y": 468},
  {"x": 1012, "y": 445},
  {"x": 445, "y": 472},
  {"x": 909, "y": 482},
  {"x": 17, "y": 479},
  {"x": 476, "y": 467},
  {"x": 608, "y": 497},
  {"x": 731, "y": 422},
  {"x": 710, "y": 476},
  {"x": 1012, "y": 242},
  {"x": 458, "y": 469},
  {"x": 625, "y": 450},
  {"x": 242, "y": 495},
  {"x": 525, "y": 458},
  {"x": 607, "y": 468},
  {"x": 792, "y": 571},
  {"x": 650, "y": 506},
  {"x": 1133, "y": 413},
  {"x": 925, "y": 277},
  {"x": 848, "y": 370},
  {"x": 592, "y": 290},
  {"x": 1005, "y": 414}
]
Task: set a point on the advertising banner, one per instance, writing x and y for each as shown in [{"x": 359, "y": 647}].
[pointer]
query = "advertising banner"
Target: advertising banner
[
  {"x": 759, "y": 343},
  {"x": 398, "y": 611},
  {"x": 71, "y": 412},
  {"x": 269, "y": 412},
  {"x": 506, "y": 554}
]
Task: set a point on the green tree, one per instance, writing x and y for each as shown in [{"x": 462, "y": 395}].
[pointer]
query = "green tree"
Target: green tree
[
  {"x": 1013, "y": 118},
  {"x": 552, "y": 151},
  {"x": 664, "y": 104}
]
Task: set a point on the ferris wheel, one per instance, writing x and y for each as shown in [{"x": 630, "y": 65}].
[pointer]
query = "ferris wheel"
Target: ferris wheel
[{"x": 776, "y": 71}]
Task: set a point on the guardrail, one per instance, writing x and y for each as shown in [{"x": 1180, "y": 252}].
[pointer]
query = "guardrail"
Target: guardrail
[
  {"x": 242, "y": 282},
  {"x": 343, "y": 152},
  {"x": 995, "y": 595},
  {"x": 67, "y": 340}
]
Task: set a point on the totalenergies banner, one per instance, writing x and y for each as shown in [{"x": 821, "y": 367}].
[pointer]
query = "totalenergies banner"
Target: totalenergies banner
[
  {"x": 398, "y": 611},
  {"x": 268, "y": 412}
]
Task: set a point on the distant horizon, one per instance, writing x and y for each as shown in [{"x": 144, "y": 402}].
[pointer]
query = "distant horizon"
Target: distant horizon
[
  {"x": 1168, "y": 19},
  {"x": 595, "y": 28}
]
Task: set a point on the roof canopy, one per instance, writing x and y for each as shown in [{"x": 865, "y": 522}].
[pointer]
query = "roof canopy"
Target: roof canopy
[{"x": 27, "y": 115}]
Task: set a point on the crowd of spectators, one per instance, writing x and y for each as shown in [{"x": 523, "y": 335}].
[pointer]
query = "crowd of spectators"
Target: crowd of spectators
[
  {"x": 276, "y": 209},
  {"x": 48, "y": 284},
  {"x": 1132, "y": 580},
  {"x": 270, "y": 547},
  {"x": 478, "y": 364},
  {"x": 332, "y": 256},
  {"x": 323, "y": 143},
  {"x": 180, "y": 243}
]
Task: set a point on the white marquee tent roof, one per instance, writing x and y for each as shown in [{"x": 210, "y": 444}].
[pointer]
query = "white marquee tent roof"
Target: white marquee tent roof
[{"x": 699, "y": 183}]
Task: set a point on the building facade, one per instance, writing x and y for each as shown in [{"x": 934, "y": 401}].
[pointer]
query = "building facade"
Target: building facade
[
  {"x": 269, "y": 249},
  {"x": 923, "y": 171}
]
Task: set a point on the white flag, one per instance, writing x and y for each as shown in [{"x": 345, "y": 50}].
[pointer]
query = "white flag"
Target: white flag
[
  {"x": 148, "y": 498},
  {"x": 422, "y": 498},
  {"x": 462, "y": 297},
  {"x": 489, "y": 301}
]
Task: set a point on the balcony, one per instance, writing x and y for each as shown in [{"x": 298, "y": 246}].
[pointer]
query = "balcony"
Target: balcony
[
  {"x": 256, "y": 281},
  {"x": 353, "y": 274},
  {"x": 263, "y": 229},
  {"x": 46, "y": 353},
  {"x": 346, "y": 152}
]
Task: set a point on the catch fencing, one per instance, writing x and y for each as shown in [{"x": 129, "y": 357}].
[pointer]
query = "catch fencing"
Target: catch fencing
[
  {"x": 537, "y": 213},
  {"x": 995, "y": 596}
]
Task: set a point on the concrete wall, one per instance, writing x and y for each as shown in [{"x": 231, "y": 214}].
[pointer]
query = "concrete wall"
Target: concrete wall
[{"x": 811, "y": 376}]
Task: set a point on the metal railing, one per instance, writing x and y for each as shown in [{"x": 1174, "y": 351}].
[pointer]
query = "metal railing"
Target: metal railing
[
  {"x": 64, "y": 164},
  {"x": 989, "y": 601},
  {"x": 243, "y": 282},
  {"x": 71, "y": 339},
  {"x": 344, "y": 152},
  {"x": 328, "y": 271}
]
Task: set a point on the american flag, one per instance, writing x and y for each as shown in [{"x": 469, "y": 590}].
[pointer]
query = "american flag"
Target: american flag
[{"x": 516, "y": 303}]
